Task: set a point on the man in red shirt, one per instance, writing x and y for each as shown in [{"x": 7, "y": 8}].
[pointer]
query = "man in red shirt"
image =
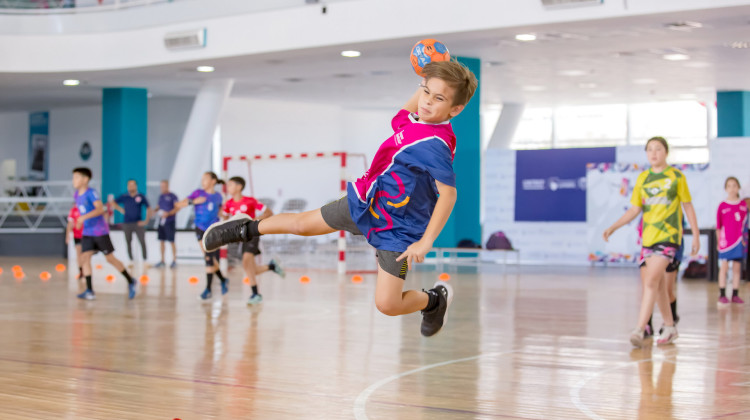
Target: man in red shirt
[
  {"x": 77, "y": 235},
  {"x": 248, "y": 205}
]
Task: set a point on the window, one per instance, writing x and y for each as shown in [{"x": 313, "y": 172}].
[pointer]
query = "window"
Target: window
[
  {"x": 534, "y": 130},
  {"x": 591, "y": 126},
  {"x": 683, "y": 124}
]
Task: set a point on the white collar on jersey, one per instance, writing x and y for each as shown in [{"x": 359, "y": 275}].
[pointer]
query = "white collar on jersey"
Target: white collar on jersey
[{"x": 414, "y": 117}]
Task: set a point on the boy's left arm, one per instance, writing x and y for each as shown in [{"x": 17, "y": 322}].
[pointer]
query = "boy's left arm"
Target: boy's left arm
[{"x": 443, "y": 208}]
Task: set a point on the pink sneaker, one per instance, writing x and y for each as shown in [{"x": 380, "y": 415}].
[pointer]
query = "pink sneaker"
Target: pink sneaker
[
  {"x": 723, "y": 301},
  {"x": 736, "y": 299}
]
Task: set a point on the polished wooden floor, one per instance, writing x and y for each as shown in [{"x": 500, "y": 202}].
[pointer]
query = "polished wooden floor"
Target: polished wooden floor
[{"x": 528, "y": 343}]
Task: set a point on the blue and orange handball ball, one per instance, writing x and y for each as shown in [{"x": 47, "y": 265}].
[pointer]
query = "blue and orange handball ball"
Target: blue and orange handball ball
[{"x": 427, "y": 51}]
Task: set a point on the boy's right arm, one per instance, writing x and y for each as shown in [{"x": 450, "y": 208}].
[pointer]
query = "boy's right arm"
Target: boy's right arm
[{"x": 413, "y": 103}]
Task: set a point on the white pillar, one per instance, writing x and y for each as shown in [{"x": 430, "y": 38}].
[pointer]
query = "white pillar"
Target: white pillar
[
  {"x": 510, "y": 117},
  {"x": 194, "y": 155}
]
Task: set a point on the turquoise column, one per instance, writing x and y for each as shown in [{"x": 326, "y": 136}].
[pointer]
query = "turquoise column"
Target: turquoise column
[
  {"x": 733, "y": 114},
  {"x": 464, "y": 221},
  {"x": 124, "y": 140}
]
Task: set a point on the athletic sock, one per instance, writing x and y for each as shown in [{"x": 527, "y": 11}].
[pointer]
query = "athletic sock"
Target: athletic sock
[
  {"x": 252, "y": 229},
  {"x": 209, "y": 280},
  {"x": 255, "y": 290},
  {"x": 673, "y": 305},
  {"x": 127, "y": 276},
  {"x": 650, "y": 324},
  {"x": 735, "y": 293},
  {"x": 272, "y": 266},
  {"x": 88, "y": 283},
  {"x": 220, "y": 276},
  {"x": 722, "y": 291},
  {"x": 432, "y": 301}
]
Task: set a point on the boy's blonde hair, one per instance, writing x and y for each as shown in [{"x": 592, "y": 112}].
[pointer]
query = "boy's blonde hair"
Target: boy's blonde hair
[{"x": 456, "y": 75}]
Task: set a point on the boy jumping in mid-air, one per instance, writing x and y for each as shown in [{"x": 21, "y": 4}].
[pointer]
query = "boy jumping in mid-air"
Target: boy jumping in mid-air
[
  {"x": 239, "y": 204},
  {"x": 95, "y": 232},
  {"x": 400, "y": 204}
]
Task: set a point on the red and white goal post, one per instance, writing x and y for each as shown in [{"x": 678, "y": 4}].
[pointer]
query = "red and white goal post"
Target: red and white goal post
[{"x": 267, "y": 175}]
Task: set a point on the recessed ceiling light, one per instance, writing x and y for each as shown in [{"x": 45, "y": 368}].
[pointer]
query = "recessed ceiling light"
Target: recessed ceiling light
[
  {"x": 534, "y": 88},
  {"x": 350, "y": 53},
  {"x": 205, "y": 69},
  {"x": 572, "y": 73},
  {"x": 644, "y": 81},
  {"x": 525, "y": 37},
  {"x": 71, "y": 82},
  {"x": 676, "y": 57},
  {"x": 600, "y": 94},
  {"x": 587, "y": 85}
]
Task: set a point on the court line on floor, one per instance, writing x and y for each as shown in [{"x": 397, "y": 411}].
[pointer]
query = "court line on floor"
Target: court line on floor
[
  {"x": 450, "y": 410},
  {"x": 167, "y": 378},
  {"x": 575, "y": 392},
  {"x": 361, "y": 401}
]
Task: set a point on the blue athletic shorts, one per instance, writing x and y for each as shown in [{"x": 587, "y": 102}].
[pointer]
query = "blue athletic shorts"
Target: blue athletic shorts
[{"x": 166, "y": 232}]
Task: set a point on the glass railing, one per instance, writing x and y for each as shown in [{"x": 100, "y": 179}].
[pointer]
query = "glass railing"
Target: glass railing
[{"x": 69, "y": 6}]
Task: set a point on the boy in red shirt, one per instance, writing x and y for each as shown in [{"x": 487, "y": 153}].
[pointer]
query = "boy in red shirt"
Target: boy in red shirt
[
  {"x": 77, "y": 236},
  {"x": 239, "y": 204}
]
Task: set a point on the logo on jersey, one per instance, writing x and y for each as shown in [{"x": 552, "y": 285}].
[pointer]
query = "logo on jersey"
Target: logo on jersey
[
  {"x": 243, "y": 208},
  {"x": 138, "y": 199},
  {"x": 399, "y": 137},
  {"x": 82, "y": 209}
]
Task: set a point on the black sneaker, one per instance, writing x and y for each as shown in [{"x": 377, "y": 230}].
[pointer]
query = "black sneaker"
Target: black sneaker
[
  {"x": 434, "y": 320},
  {"x": 231, "y": 230}
]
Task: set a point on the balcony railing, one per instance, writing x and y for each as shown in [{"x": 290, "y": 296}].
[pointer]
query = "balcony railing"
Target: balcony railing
[{"x": 70, "y": 6}]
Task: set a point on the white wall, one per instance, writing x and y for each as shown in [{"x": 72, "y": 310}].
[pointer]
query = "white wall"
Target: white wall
[
  {"x": 262, "y": 127},
  {"x": 70, "y": 127},
  {"x": 14, "y": 140},
  {"x": 167, "y": 119}
]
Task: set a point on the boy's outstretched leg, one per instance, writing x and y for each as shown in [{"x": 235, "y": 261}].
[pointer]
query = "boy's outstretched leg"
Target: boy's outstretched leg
[{"x": 241, "y": 228}]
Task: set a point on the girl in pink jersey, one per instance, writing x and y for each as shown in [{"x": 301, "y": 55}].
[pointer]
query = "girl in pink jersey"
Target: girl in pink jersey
[{"x": 731, "y": 232}]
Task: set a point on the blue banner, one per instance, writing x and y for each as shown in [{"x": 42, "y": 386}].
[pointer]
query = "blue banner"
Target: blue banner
[
  {"x": 39, "y": 145},
  {"x": 551, "y": 184}
]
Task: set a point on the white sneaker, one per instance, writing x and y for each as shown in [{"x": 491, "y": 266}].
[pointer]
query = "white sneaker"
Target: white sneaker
[
  {"x": 668, "y": 335},
  {"x": 638, "y": 337}
]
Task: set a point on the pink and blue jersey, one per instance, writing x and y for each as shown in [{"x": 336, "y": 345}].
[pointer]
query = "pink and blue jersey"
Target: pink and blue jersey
[
  {"x": 96, "y": 226},
  {"x": 394, "y": 200},
  {"x": 206, "y": 213},
  {"x": 732, "y": 225}
]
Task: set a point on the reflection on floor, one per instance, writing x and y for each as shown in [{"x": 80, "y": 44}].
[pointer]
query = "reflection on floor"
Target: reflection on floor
[{"x": 529, "y": 343}]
